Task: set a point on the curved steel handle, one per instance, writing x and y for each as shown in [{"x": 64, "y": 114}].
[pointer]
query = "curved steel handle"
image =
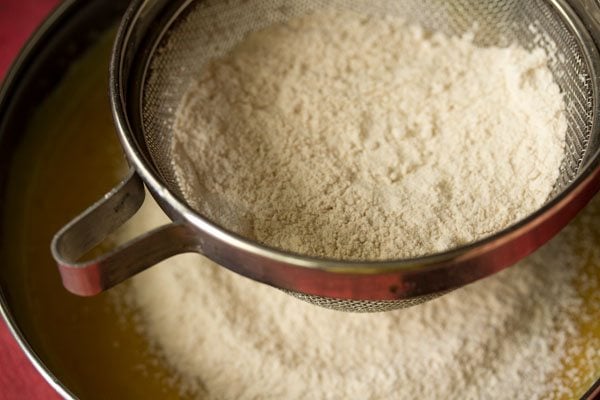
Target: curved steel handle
[{"x": 95, "y": 224}]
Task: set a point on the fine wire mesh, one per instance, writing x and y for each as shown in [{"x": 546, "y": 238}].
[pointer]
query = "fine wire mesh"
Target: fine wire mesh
[
  {"x": 208, "y": 29},
  {"x": 364, "y": 306}
]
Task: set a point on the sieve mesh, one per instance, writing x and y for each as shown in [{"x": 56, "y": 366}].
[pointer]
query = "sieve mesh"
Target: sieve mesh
[
  {"x": 204, "y": 30},
  {"x": 363, "y": 306}
]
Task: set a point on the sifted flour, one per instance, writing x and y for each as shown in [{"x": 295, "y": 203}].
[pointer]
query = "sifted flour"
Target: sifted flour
[
  {"x": 346, "y": 136},
  {"x": 506, "y": 337},
  {"x": 353, "y": 137}
]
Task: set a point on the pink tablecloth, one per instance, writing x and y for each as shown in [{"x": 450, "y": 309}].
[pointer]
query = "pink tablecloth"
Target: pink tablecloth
[{"x": 18, "y": 378}]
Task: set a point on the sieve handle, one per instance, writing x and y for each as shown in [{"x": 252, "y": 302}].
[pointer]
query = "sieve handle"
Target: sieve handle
[{"x": 92, "y": 227}]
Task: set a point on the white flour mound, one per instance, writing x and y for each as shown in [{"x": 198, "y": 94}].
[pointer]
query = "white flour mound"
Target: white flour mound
[
  {"x": 353, "y": 137},
  {"x": 227, "y": 337}
]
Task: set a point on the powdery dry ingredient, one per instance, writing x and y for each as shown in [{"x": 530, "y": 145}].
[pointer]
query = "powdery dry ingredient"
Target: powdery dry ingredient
[
  {"x": 506, "y": 337},
  {"x": 347, "y": 136}
]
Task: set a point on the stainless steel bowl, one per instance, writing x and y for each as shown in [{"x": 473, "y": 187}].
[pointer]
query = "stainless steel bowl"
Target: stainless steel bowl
[{"x": 85, "y": 347}]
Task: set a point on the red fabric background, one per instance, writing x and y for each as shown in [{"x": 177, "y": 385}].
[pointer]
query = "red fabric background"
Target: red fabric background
[{"x": 18, "y": 378}]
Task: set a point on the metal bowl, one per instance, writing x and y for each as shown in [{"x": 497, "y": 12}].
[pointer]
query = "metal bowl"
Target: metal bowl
[{"x": 85, "y": 347}]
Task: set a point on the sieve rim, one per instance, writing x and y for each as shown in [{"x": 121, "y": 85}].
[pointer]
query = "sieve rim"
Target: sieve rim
[{"x": 298, "y": 272}]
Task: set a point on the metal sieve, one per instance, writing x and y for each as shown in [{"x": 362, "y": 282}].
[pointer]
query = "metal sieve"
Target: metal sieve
[{"x": 162, "y": 45}]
